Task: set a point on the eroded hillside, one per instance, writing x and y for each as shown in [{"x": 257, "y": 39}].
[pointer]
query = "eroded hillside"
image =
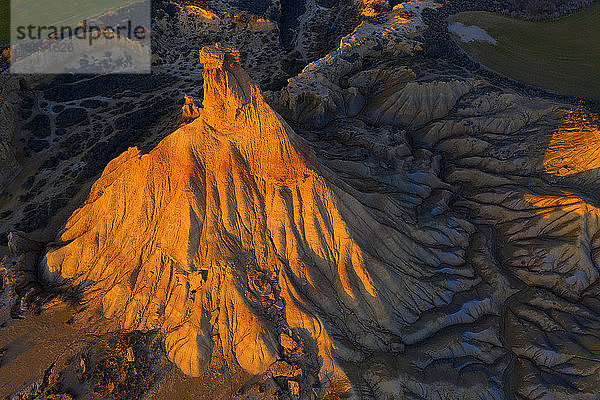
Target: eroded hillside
[{"x": 385, "y": 226}]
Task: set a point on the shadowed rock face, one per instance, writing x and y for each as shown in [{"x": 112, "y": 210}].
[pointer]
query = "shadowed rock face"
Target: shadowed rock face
[{"x": 517, "y": 169}]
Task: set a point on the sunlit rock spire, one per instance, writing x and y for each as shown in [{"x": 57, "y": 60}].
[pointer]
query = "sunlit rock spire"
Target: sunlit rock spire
[{"x": 232, "y": 240}]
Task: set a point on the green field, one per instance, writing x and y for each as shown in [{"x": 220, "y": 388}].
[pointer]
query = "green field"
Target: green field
[
  {"x": 561, "y": 55},
  {"x": 55, "y": 12},
  {"x": 4, "y": 21}
]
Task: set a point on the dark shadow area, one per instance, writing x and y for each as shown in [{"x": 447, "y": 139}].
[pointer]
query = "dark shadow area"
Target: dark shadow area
[{"x": 291, "y": 10}]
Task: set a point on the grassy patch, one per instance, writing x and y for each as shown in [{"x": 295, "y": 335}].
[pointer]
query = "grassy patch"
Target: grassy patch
[
  {"x": 561, "y": 55},
  {"x": 56, "y": 12},
  {"x": 61, "y": 12},
  {"x": 4, "y": 21}
]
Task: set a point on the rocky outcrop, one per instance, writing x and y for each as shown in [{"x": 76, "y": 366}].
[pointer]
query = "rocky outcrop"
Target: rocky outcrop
[
  {"x": 337, "y": 86},
  {"x": 230, "y": 232},
  {"x": 408, "y": 103},
  {"x": 522, "y": 170},
  {"x": 18, "y": 281}
]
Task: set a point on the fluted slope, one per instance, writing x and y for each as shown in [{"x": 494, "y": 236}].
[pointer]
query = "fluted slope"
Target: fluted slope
[{"x": 232, "y": 240}]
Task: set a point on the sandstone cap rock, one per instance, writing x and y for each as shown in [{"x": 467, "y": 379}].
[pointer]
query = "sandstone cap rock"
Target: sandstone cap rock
[{"x": 218, "y": 56}]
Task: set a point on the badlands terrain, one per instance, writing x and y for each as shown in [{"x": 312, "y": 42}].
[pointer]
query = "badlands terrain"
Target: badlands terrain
[{"x": 305, "y": 200}]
